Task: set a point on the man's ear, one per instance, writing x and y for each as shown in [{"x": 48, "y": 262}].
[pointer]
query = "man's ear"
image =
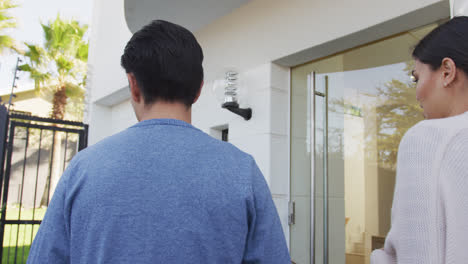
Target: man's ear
[
  {"x": 199, "y": 92},
  {"x": 134, "y": 88},
  {"x": 449, "y": 71}
]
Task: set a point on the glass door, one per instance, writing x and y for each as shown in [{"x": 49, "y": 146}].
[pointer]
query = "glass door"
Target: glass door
[
  {"x": 317, "y": 232},
  {"x": 348, "y": 115},
  {"x": 327, "y": 167}
]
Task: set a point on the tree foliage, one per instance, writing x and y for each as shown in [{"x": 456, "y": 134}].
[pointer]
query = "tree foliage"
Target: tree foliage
[
  {"x": 6, "y": 22},
  {"x": 59, "y": 67},
  {"x": 397, "y": 111}
]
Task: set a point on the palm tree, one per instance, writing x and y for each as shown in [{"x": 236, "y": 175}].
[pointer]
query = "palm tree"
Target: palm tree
[
  {"x": 59, "y": 68},
  {"x": 59, "y": 73},
  {"x": 6, "y": 22}
]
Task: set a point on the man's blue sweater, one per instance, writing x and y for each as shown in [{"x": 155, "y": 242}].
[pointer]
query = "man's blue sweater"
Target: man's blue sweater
[{"x": 161, "y": 191}]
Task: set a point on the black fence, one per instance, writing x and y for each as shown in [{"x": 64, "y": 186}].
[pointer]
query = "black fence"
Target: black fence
[{"x": 34, "y": 153}]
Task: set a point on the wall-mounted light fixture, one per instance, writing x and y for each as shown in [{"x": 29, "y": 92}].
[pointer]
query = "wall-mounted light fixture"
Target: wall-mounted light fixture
[
  {"x": 229, "y": 87},
  {"x": 458, "y": 8}
]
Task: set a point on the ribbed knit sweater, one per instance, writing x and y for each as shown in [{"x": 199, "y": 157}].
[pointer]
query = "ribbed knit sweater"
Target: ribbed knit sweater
[{"x": 430, "y": 206}]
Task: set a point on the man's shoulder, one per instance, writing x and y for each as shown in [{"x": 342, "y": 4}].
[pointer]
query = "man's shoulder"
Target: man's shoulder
[
  {"x": 101, "y": 148},
  {"x": 224, "y": 146},
  {"x": 195, "y": 138},
  {"x": 225, "y": 152}
]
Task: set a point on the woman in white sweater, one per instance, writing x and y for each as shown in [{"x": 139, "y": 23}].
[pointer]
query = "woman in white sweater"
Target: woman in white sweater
[{"x": 430, "y": 206}]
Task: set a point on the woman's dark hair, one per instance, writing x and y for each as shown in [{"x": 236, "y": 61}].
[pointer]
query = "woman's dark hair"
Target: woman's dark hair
[
  {"x": 166, "y": 61},
  {"x": 449, "y": 40}
]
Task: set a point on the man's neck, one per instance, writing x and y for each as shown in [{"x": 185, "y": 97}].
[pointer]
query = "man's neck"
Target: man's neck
[{"x": 167, "y": 110}]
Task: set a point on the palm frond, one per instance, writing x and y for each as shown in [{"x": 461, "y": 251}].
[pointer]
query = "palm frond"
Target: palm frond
[
  {"x": 40, "y": 78},
  {"x": 82, "y": 53},
  {"x": 7, "y": 4},
  {"x": 61, "y": 63},
  {"x": 73, "y": 90},
  {"x": 47, "y": 35},
  {"x": 6, "y": 41},
  {"x": 35, "y": 54},
  {"x": 6, "y": 22},
  {"x": 64, "y": 66}
]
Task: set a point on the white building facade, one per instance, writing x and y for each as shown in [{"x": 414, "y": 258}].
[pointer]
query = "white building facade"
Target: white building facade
[{"x": 328, "y": 83}]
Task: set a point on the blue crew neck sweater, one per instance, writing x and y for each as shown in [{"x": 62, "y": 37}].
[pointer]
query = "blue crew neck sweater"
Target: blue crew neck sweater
[{"x": 161, "y": 191}]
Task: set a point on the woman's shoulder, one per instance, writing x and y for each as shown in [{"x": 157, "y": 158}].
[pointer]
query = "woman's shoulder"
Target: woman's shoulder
[{"x": 434, "y": 132}]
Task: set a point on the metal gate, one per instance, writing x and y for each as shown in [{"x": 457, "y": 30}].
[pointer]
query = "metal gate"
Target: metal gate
[{"x": 34, "y": 153}]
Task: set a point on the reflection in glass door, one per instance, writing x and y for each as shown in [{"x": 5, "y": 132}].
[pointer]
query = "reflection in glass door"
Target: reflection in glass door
[{"x": 348, "y": 115}]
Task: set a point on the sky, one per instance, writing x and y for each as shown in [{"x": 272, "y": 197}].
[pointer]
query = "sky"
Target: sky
[{"x": 29, "y": 15}]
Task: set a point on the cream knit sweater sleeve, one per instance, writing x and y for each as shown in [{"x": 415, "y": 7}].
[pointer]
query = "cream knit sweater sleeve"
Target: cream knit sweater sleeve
[{"x": 430, "y": 205}]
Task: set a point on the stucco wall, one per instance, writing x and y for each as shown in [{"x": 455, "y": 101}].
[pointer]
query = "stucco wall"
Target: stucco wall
[{"x": 250, "y": 38}]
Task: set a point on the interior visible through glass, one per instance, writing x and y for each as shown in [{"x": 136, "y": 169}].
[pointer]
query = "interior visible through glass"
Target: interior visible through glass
[{"x": 371, "y": 104}]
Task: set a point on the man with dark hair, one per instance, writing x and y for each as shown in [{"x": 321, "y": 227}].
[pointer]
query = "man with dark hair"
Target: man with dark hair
[{"x": 161, "y": 191}]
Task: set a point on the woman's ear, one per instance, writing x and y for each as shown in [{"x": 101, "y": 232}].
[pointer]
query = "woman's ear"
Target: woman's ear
[{"x": 449, "y": 71}]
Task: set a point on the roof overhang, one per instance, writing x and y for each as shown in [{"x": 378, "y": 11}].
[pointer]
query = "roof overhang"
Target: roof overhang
[{"x": 193, "y": 15}]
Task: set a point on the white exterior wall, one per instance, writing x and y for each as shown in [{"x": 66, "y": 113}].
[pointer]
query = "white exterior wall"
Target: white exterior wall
[
  {"x": 105, "y": 75},
  {"x": 264, "y": 30},
  {"x": 266, "y": 135},
  {"x": 250, "y": 38}
]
